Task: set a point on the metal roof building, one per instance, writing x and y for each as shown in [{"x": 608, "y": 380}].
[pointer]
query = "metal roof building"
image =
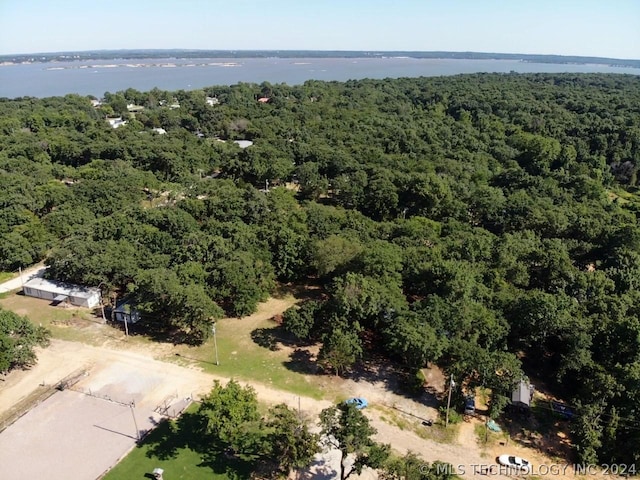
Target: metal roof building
[
  {"x": 126, "y": 312},
  {"x": 55, "y": 291}
]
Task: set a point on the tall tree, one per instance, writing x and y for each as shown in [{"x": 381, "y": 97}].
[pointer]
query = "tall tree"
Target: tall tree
[
  {"x": 291, "y": 444},
  {"x": 18, "y": 340},
  {"x": 347, "y": 429}
]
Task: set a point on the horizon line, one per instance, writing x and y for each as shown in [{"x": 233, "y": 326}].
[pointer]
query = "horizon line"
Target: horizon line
[{"x": 369, "y": 51}]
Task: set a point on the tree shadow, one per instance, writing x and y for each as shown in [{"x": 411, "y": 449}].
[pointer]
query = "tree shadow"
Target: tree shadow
[
  {"x": 266, "y": 338},
  {"x": 169, "y": 437},
  {"x": 164, "y": 441},
  {"x": 540, "y": 429},
  {"x": 376, "y": 368},
  {"x": 162, "y": 334},
  {"x": 275, "y": 337},
  {"x": 302, "y": 361},
  {"x": 223, "y": 463},
  {"x": 318, "y": 470},
  {"x": 310, "y": 290}
]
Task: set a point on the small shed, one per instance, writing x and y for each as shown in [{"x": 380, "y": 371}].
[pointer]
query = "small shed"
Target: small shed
[
  {"x": 55, "y": 291},
  {"x": 125, "y": 311},
  {"x": 522, "y": 395}
]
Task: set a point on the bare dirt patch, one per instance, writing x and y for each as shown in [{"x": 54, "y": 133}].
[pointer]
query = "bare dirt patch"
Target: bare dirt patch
[{"x": 98, "y": 433}]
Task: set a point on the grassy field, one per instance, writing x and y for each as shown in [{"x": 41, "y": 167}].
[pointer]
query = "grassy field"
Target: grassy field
[
  {"x": 4, "y": 276},
  {"x": 170, "y": 447},
  {"x": 251, "y": 348},
  {"x": 73, "y": 324}
]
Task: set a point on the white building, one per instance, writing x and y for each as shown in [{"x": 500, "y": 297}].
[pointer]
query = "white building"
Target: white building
[
  {"x": 243, "y": 143},
  {"x": 116, "y": 122},
  {"x": 55, "y": 291}
]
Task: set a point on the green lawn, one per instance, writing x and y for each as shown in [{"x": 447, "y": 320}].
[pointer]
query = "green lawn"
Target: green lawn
[
  {"x": 72, "y": 324},
  {"x": 170, "y": 447},
  {"x": 252, "y": 349},
  {"x": 249, "y": 350},
  {"x": 4, "y": 276}
]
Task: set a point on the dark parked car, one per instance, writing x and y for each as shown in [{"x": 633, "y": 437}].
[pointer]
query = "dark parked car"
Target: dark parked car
[{"x": 470, "y": 405}]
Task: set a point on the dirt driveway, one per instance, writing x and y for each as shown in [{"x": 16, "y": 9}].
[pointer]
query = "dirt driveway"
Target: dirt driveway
[{"x": 16, "y": 283}]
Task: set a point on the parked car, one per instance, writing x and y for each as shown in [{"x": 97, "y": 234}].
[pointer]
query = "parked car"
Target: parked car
[
  {"x": 359, "y": 402},
  {"x": 516, "y": 463},
  {"x": 470, "y": 405},
  {"x": 563, "y": 410}
]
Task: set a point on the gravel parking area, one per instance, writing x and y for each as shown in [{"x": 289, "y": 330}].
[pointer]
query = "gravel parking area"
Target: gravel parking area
[{"x": 70, "y": 436}]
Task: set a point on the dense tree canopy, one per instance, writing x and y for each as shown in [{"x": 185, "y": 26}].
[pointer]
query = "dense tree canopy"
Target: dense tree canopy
[{"x": 487, "y": 222}]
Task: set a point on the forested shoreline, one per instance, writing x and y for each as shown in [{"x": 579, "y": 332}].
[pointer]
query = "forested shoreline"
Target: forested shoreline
[
  {"x": 487, "y": 222},
  {"x": 150, "y": 54}
]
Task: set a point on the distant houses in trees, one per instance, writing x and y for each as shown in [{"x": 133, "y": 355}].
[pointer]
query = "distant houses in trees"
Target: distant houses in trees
[
  {"x": 132, "y": 108},
  {"x": 116, "y": 122}
]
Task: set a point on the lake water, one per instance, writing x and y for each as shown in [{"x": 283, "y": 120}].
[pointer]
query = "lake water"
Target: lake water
[{"x": 99, "y": 76}]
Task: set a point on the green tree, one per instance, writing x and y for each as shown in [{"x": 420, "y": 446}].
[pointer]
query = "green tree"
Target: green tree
[
  {"x": 413, "y": 340},
  {"x": 347, "y": 429},
  {"x": 330, "y": 254},
  {"x": 312, "y": 183},
  {"x": 341, "y": 348},
  {"x": 587, "y": 429},
  {"x": 228, "y": 415},
  {"x": 291, "y": 444},
  {"x": 18, "y": 339},
  {"x": 412, "y": 467},
  {"x": 169, "y": 304},
  {"x": 301, "y": 320}
]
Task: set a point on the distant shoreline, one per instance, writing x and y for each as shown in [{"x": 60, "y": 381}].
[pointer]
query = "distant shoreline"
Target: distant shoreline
[{"x": 306, "y": 54}]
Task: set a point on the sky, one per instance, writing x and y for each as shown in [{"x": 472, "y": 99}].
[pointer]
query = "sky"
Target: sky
[{"x": 603, "y": 28}]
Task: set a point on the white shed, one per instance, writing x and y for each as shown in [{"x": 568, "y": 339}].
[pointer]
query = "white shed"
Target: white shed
[
  {"x": 55, "y": 291},
  {"x": 522, "y": 395}
]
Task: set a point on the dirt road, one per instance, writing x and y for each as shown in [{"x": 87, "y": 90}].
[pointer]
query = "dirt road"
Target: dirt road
[
  {"x": 16, "y": 283},
  {"x": 62, "y": 359}
]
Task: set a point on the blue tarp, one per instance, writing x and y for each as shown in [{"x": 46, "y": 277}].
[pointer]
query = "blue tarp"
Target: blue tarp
[{"x": 493, "y": 426}]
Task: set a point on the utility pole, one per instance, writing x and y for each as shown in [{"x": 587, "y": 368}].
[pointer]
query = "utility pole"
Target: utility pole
[
  {"x": 134, "y": 422},
  {"x": 113, "y": 313},
  {"x": 104, "y": 320},
  {"x": 215, "y": 342},
  {"x": 451, "y": 384}
]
